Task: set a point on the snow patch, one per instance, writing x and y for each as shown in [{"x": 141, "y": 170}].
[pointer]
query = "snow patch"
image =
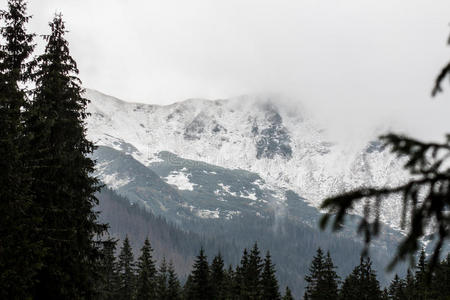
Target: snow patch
[
  {"x": 180, "y": 180},
  {"x": 226, "y": 189},
  {"x": 208, "y": 214},
  {"x": 231, "y": 213},
  {"x": 115, "y": 181},
  {"x": 251, "y": 196}
]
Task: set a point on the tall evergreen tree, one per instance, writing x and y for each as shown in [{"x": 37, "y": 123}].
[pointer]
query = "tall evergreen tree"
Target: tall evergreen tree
[
  {"x": 239, "y": 284},
  {"x": 361, "y": 283},
  {"x": 409, "y": 285},
  {"x": 288, "y": 294},
  {"x": 63, "y": 184},
  {"x": 421, "y": 278},
  {"x": 397, "y": 289},
  {"x": 127, "y": 276},
  {"x": 230, "y": 288},
  {"x": 173, "y": 284},
  {"x": 201, "y": 277},
  {"x": 322, "y": 280},
  {"x": 330, "y": 279},
  {"x": 146, "y": 279},
  {"x": 350, "y": 287},
  {"x": 108, "y": 264},
  {"x": 20, "y": 249},
  {"x": 162, "y": 288},
  {"x": 217, "y": 277},
  {"x": 252, "y": 275},
  {"x": 188, "y": 289},
  {"x": 269, "y": 282},
  {"x": 315, "y": 277}
]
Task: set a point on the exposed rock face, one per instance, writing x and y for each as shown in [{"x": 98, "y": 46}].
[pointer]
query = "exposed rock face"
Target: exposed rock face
[
  {"x": 195, "y": 129},
  {"x": 272, "y": 138}
]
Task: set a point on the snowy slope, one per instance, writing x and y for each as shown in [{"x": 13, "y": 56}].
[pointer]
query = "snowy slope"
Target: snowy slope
[{"x": 255, "y": 134}]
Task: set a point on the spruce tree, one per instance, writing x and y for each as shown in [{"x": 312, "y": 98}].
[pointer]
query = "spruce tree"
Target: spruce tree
[
  {"x": 201, "y": 277},
  {"x": 188, "y": 289},
  {"x": 330, "y": 279},
  {"x": 349, "y": 289},
  {"x": 397, "y": 289},
  {"x": 409, "y": 285},
  {"x": 269, "y": 282},
  {"x": 109, "y": 280},
  {"x": 315, "y": 276},
  {"x": 252, "y": 274},
  {"x": 167, "y": 284},
  {"x": 288, "y": 294},
  {"x": 217, "y": 277},
  {"x": 146, "y": 279},
  {"x": 229, "y": 285},
  {"x": 20, "y": 249},
  {"x": 239, "y": 284},
  {"x": 173, "y": 284},
  {"x": 127, "y": 276},
  {"x": 421, "y": 277},
  {"x": 361, "y": 283},
  {"x": 162, "y": 290},
  {"x": 369, "y": 281},
  {"x": 63, "y": 184}
]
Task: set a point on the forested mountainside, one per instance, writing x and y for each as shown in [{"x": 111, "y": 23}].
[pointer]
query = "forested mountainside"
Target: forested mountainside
[
  {"x": 238, "y": 171},
  {"x": 292, "y": 244}
]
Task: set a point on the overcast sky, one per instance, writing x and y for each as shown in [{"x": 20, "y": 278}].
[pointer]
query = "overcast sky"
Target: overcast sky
[{"x": 348, "y": 60}]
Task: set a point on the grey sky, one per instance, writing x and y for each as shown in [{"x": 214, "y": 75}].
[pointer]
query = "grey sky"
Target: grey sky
[{"x": 349, "y": 61}]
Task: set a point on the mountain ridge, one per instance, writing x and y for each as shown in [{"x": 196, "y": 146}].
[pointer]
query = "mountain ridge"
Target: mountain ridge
[{"x": 281, "y": 145}]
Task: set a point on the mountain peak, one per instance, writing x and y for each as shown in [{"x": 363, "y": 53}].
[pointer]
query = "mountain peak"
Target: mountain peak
[{"x": 254, "y": 133}]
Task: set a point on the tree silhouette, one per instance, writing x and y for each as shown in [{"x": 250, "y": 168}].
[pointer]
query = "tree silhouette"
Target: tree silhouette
[
  {"x": 146, "y": 278},
  {"x": 288, "y": 294},
  {"x": 201, "y": 277},
  {"x": 362, "y": 283},
  {"x": 217, "y": 276},
  {"x": 126, "y": 270},
  {"x": 322, "y": 280},
  {"x": 269, "y": 282},
  {"x": 20, "y": 251},
  {"x": 63, "y": 185},
  {"x": 173, "y": 284},
  {"x": 108, "y": 266}
]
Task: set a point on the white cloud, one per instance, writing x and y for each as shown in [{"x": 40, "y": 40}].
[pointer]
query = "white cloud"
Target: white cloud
[{"x": 351, "y": 62}]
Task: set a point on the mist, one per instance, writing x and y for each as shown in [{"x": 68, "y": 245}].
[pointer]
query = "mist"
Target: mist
[{"x": 353, "y": 65}]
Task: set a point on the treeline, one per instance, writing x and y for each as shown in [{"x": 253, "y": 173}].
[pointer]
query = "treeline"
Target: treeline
[
  {"x": 49, "y": 233},
  {"x": 125, "y": 278},
  {"x": 255, "y": 278},
  {"x": 420, "y": 283}
]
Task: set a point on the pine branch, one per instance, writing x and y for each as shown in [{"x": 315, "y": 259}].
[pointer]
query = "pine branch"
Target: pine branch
[{"x": 426, "y": 197}]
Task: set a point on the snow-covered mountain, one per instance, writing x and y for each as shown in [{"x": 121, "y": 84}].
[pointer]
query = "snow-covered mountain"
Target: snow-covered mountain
[
  {"x": 256, "y": 134},
  {"x": 241, "y": 170}
]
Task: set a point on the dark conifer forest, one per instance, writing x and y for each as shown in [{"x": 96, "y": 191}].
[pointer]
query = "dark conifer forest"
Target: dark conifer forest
[
  {"x": 53, "y": 243},
  {"x": 126, "y": 277}
]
